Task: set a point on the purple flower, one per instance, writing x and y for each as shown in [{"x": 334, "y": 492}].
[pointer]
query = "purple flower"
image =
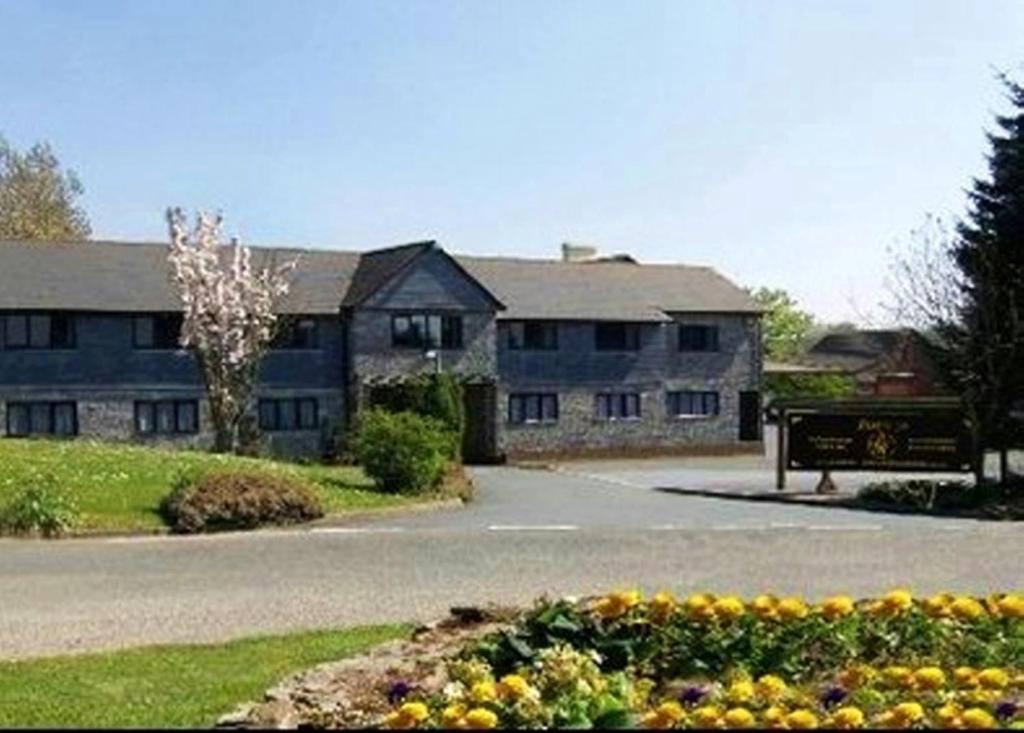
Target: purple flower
[
  {"x": 692, "y": 695},
  {"x": 398, "y": 692},
  {"x": 833, "y": 696},
  {"x": 1006, "y": 709}
]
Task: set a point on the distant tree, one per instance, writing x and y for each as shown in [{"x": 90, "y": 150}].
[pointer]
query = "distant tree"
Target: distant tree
[
  {"x": 230, "y": 312},
  {"x": 988, "y": 343},
  {"x": 784, "y": 327},
  {"x": 37, "y": 200}
]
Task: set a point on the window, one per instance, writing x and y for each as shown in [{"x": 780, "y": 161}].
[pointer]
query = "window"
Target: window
[
  {"x": 423, "y": 331},
  {"x": 532, "y": 335},
  {"x": 296, "y": 333},
  {"x": 532, "y": 408},
  {"x": 42, "y": 418},
  {"x": 158, "y": 331},
  {"x": 166, "y": 417},
  {"x": 617, "y": 406},
  {"x": 689, "y": 404},
  {"x": 617, "y": 336},
  {"x": 698, "y": 338},
  {"x": 39, "y": 331},
  {"x": 288, "y": 414}
]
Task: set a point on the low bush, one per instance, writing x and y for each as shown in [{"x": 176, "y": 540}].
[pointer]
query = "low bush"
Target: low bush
[
  {"x": 401, "y": 451},
  {"x": 223, "y": 500},
  {"x": 1004, "y": 501},
  {"x": 40, "y": 509},
  {"x": 436, "y": 396},
  {"x": 723, "y": 662}
]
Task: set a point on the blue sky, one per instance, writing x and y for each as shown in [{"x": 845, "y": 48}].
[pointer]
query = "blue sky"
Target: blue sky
[{"x": 788, "y": 144}]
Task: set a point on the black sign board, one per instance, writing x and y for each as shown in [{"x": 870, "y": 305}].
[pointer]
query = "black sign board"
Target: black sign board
[{"x": 923, "y": 441}]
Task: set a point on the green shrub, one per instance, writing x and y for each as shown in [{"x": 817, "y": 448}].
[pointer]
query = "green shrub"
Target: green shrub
[
  {"x": 223, "y": 500},
  {"x": 40, "y": 509},
  {"x": 437, "y": 396},
  {"x": 401, "y": 451},
  {"x": 987, "y": 499}
]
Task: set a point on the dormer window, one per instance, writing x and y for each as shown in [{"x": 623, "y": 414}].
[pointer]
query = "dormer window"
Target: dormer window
[
  {"x": 698, "y": 338},
  {"x": 38, "y": 331}
]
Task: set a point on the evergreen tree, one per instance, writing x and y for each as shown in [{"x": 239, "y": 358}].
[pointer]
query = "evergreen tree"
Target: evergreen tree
[{"x": 988, "y": 342}]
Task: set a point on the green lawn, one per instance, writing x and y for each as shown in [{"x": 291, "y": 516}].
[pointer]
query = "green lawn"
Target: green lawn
[
  {"x": 166, "y": 686},
  {"x": 119, "y": 487}
]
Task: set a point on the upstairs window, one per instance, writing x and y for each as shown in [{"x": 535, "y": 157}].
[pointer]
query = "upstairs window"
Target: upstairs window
[
  {"x": 532, "y": 335},
  {"x": 296, "y": 333},
  {"x": 38, "y": 331},
  {"x": 692, "y": 404},
  {"x": 41, "y": 418},
  {"x": 617, "y": 336},
  {"x": 532, "y": 408},
  {"x": 426, "y": 331},
  {"x": 617, "y": 406},
  {"x": 157, "y": 331},
  {"x": 698, "y": 338}
]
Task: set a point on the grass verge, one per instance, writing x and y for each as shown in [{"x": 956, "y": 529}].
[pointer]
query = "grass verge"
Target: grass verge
[
  {"x": 118, "y": 487},
  {"x": 166, "y": 686}
]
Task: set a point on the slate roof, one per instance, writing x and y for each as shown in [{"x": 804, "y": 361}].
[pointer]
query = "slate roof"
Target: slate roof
[
  {"x": 855, "y": 351},
  {"x": 134, "y": 277}
]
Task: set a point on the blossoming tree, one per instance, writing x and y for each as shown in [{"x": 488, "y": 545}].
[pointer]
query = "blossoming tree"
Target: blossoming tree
[{"x": 229, "y": 307}]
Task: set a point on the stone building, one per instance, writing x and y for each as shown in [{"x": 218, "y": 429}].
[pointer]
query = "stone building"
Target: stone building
[{"x": 573, "y": 356}]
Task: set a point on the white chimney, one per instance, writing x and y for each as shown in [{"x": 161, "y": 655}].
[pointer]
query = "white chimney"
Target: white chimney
[{"x": 577, "y": 252}]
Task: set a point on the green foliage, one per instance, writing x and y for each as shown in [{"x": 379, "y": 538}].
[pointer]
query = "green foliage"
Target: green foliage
[
  {"x": 999, "y": 501},
  {"x": 810, "y": 385},
  {"x": 223, "y": 500},
  {"x": 119, "y": 487},
  {"x": 401, "y": 451},
  {"x": 40, "y": 509},
  {"x": 436, "y": 396},
  {"x": 785, "y": 328},
  {"x": 988, "y": 342},
  {"x": 168, "y": 686},
  {"x": 37, "y": 200}
]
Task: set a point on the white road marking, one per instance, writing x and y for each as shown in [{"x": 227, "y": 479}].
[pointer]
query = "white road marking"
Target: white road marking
[
  {"x": 354, "y": 530},
  {"x": 844, "y": 527},
  {"x": 532, "y": 527}
]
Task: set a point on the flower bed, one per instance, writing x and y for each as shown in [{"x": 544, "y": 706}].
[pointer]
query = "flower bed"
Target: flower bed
[{"x": 722, "y": 662}]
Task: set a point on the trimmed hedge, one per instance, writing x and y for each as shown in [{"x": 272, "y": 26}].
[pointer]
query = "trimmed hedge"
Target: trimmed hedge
[
  {"x": 403, "y": 452},
  {"x": 224, "y": 500}
]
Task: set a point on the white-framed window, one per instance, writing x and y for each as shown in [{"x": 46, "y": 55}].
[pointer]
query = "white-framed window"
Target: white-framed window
[
  {"x": 531, "y": 408},
  {"x": 690, "y": 403},
  {"x": 617, "y": 406}
]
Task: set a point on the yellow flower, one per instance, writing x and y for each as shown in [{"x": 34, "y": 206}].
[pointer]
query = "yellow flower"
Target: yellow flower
[
  {"x": 966, "y": 608},
  {"x": 407, "y": 716},
  {"x": 792, "y": 608},
  {"x": 802, "y": 719},
  {"x": 661, "y": 606},
  {"x": 978, "y": 718},
  {"x": 451, "y": 716},
  {"x": 483, "y": 692},
  {"x": 513, "y": 686},
  {"x": 907, "y": 713},
  {"x": 738, "y": 718},
  {"x": 929, "y": 678},
  {"x": 902, "y": 677},
  {"x": 837, "y": 607},
  {"x": 937, "y": 606},
  {"x": 774, "y": 716},
  {"x": 700, "y": 606},
  {"x": 1011, "y": 606},
  {"x": 771, "y": 687},
  {"x": 728, "y": 608},
  {"x": 667, "y": 715},
  {"x": 856, "y": 676},
  {"x": 949, "y": 715},
  {"x": 740, "y": 691},
  {"x": 993, "y": 678},
  {"x": 617, "y": 604},
  {"x": 707, "y": 716},
  {"x": 764, "y": 607},
  {"x": 966, "y": 676},
  {"x": 846, "y": 718},
  {"x": 481, "y": 718}
]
